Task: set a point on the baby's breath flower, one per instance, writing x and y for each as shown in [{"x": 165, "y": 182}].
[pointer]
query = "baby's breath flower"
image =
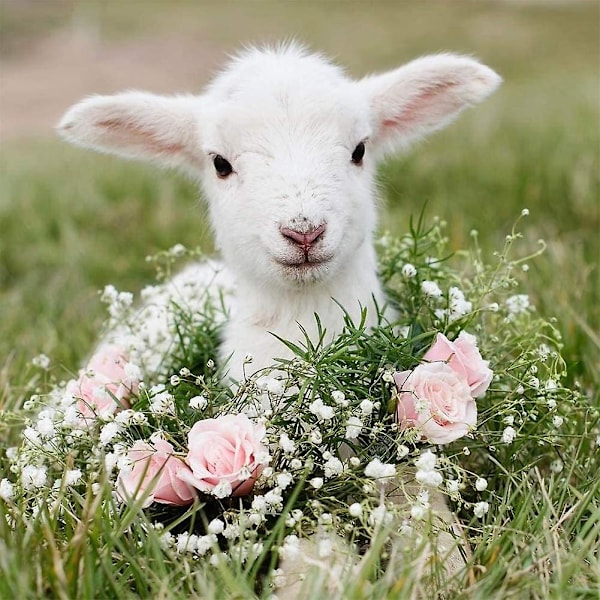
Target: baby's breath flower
[
  {"x": 216, "y": 526},
  {"x": 429, "y": 478},
  {"x": 326, "y": 519},
  {"x": 353, "y": 428},
  {"x": 316, "y": 482},
  {"x": 108, "y": 432},
  {"x": 388, "y": 377},
  {"x": 33, "y": 477},
  {"x": 41, "y": 361},
  {"x": 517, "y": 304},
  {"x": 402, "y": 451},
  {"x": 366, "y": 406},
  {"x": 452, "y": 486},
  {"x": 231, "y": 531},
  {"x": 177, "y": 250},
  {"x": 284, "y": 480},
  {"x": 355, "y": 510},
  {"x": 457, "y": 304},
  {"x": 378, "y": 470},
  {"x": 409, "y": 271},
  {"x": 287, "y": 445},
  {"x": 508, "y": 435},
  {"x": 32, "y": 436},
  {"x": 333, "y": 467},
  {"x": 418, "y": 512},
  {"x": 186, "y": 542},
  {"x": 481, "y": 484},
  {"x": 316, "y": 437},
  {"x": 198, "y": 402},
  {"x": 339, "y": 397},
  {"x": 481, "y": 509},
  {"x": 431, "y": 289},
  {"x": 45, "y": 426},
  {"x": 7, "y": 490},
  {"x": 222, "y": 489},
  {"x": 426, "y": 461},
  {"x": 557, "y": 421},
  {"x": 204, "y": 543},
  {"x": 73, "y": 476},
  {"x": 162, "y": 404},
  {"x": 322, "y": 411}
]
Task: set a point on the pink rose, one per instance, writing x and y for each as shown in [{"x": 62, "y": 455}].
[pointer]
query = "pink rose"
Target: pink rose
[
  {"x": 464, "y": 358},
  {"x": 105, "y": 384},
  {"x": 225, "y": 455},
  {"x": 436, "y": 400},
  {"x": 155, "y": 475}
]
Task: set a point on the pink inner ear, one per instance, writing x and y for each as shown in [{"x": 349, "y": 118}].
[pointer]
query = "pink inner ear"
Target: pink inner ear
[
  {"x": 427, "y": 108},
  {"x": 129, "y": 134}
]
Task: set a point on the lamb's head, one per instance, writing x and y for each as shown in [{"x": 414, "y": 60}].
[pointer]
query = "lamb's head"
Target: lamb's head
[{"x": 285, "y": 145}]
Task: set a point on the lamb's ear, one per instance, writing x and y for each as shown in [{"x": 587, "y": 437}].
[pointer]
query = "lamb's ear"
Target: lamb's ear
[
  {"x": 425, "y": 95},
  {"x": 137, "y": 125}
]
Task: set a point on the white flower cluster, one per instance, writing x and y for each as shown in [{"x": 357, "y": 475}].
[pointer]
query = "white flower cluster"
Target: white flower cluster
[
  {"x": 149, "y": 332},
  {"x": 426, "y": 472}
]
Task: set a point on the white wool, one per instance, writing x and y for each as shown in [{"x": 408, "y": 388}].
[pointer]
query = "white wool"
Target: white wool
[{"x": 288, "y": 122}]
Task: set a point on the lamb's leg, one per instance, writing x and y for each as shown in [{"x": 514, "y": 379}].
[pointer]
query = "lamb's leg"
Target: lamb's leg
[
  {"x": 321, "y": 564},
  {"x": 325, "y": 561},
  {"x": 447, "y": 544}
]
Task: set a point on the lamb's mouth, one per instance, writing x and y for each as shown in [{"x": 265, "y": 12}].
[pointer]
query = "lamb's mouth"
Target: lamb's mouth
[
  {"x": 305, "y": 263},
  {"x": 306, "y": 266}
]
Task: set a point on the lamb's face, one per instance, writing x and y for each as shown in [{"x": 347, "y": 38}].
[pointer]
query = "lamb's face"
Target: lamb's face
[
  {"x": 285, "y": 144},
  {"x": 289, "y": 177}
]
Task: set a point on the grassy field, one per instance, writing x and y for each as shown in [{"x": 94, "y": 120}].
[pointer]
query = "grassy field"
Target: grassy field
[{"x": 72, "y": 222}]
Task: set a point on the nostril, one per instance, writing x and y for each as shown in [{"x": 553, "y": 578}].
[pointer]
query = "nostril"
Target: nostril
[
  {"x": 314, "y": 235},
  {"x": 302, "y": 238}
]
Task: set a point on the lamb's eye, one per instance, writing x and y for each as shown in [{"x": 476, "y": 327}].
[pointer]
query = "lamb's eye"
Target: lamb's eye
[
  {"x": 359, "y": 152},
  {"x": 222, "y": 166}
]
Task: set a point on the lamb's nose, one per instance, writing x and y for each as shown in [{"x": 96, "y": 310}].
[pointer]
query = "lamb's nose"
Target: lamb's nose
[{"x": 301, "y": 238}]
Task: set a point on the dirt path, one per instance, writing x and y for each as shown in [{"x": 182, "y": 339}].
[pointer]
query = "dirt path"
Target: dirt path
[{"x": 38, "y": 86}]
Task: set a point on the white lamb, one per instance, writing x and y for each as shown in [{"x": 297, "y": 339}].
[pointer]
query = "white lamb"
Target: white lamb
[{"x": 285, "y": 146}]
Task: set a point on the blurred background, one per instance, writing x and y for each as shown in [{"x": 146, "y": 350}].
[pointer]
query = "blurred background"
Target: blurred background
[{"x": 72, "y": 221}]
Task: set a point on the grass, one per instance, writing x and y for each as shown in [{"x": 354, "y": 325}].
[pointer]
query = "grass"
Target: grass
[{"x": 73, "y": 222}]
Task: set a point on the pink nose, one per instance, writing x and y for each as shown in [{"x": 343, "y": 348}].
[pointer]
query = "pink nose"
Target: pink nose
[{"x": 303, "y": 239}]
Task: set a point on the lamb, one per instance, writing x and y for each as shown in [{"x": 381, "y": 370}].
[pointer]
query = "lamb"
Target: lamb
[{"x": 284, "y": 146}]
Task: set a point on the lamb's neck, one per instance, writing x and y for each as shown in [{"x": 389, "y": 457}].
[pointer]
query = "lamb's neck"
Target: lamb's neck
[{"x": 261, "y": 313}]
